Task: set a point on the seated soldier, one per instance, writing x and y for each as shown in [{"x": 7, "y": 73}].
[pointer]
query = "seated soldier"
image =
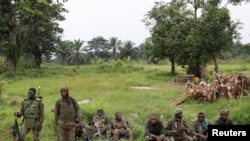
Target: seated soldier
[
  {"x": 154, "y": 129},
  {"x": 99, "y": 125},
  {"x": 177, "y": 129},
  {"x": 120, "y": 128},
  {"x": 200, "y": 127},
  {"x": 81, "y": 134},
  {"x": 224, "y": 119}
]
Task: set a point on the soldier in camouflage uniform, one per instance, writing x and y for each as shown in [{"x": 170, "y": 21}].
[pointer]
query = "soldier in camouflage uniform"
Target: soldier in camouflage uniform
[
  {"x": 224, "y": 119},
  {"x": 154, "y": 129},
  {"x": 200, "y": 127},
  {"x": 99, "y": 125},
  {"x": 32, "y": 110},
  {"x": 81, "y": 132},
  {"x": 67, "y": 113},
  {"x": 177, "y": 128},
  {"x": 120, "y": 128}
]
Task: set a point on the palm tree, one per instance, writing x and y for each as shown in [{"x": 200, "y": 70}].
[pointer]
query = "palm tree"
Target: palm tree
[
  {"x": 77, "y": 57},
  {"x": 114, "y": 45},
  {"x": 142, "y": 51},
  {"x": 128, "y": 50},
  {"x": 63, "y": 51}
]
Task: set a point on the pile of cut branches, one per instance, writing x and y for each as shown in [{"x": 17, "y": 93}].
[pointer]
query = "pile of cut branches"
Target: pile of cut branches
[{"x": 222, "y": 86}]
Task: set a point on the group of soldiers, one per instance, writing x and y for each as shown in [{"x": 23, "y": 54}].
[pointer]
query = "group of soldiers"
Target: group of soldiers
[
  {"x": 69, "y": 125},
  {"x": 100, "y": 129},
  {"x": 68, "y": 122},
  {"x": 178, "y": 130}
]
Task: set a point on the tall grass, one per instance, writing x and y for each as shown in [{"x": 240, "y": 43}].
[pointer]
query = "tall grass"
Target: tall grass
[{"x": 110, "y": 88}]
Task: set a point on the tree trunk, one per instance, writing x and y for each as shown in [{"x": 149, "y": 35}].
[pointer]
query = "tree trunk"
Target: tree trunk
[
  {"x": 172, "y": 65},
  {"x": 11, "y": 59},
  {"x": 194, "y": 69},
  {"x": 215, "y": 59},
  {"x": 64, "y": 60},
  {"x": 38, "y": 59},
  {"x": 9, "y": 65},
  {"x": 203, "y": 69},
  {"x": 114, "y": 54}
]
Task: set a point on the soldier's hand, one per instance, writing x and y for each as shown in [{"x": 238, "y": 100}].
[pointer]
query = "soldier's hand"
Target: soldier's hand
[
  {"x": 16, "y": 114},
  {"x": 203, "y": 137},
  {"x": 39, "y": 127},
  {"x": 183, "y": 128},
  {"x": 158, "y": 138},
  {"x": 174, "y": 132}
]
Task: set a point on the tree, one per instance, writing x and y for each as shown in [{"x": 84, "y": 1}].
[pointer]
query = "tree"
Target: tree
[
  {"x": 219, "y": 29},
  {"x": 128, "y": 50},
  {"x": 142, "y": 51},
  {"x": 99, "y": 46},
  {"x": 41, "y": 19},
  {"x": 10, "y": 25},
  {"x": 169, "y": 31},
  {"x": 180, "y": 35},
  {"x": 29, "y": 27},
  {"x": 114, "y": 45},
  {"x": 204, "y": 26},
  {"x": 77, "y": 57},
  {"x": 63, "y": 51}
]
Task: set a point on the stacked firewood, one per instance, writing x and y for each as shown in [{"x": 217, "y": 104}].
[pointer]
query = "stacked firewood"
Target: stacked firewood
[{"x": 222, "y": 86}]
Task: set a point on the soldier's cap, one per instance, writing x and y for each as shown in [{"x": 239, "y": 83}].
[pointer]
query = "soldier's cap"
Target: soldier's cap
[
  {"x": 100, "y": 110},
  {"x": 177, "y": 111},
  {"x": 224, "y": 111}
]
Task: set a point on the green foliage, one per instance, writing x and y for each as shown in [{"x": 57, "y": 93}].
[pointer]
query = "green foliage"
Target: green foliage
[
  {"x": 21, "y": 20},
  {"x": 1, "y": 64},
  {"x": 125, "y": 65},
  {"x": 177, "y": 33}
]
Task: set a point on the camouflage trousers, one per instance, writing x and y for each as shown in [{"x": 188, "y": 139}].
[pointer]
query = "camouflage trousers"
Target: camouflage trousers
[
  {"x": 182, "y": 138},
  {"x": 120, "y": 133},
  {"x": 147, "y": 138},
  {"x": 103, "y": 130},
  {"x": 25, "y": 130},
  {"x": 66, "y": 130}
]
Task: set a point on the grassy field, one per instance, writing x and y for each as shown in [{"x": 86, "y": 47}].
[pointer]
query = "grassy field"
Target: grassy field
[{"x": 108, "y": 86}]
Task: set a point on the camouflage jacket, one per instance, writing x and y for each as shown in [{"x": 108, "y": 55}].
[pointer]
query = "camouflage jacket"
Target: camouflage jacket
[
  {"x": 119, "y": 124},
  {"x": 176, "y": 124},
  {"x": 219, "y": 121},
  {"x": 99, "y": 121},
  {"x": 157, "y": 129},
  {"x": 67, "y": 112},
  {"x": 200, "y": 128},
  {"x": 31, "y": 103}
]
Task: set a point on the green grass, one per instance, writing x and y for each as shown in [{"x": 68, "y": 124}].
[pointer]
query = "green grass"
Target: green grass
[{"x": 109, "y": 88}]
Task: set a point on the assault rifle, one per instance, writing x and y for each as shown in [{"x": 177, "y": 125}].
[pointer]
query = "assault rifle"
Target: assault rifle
[
  {"x": 15, "y": 131},
  {"x": 98, "y": 133}
]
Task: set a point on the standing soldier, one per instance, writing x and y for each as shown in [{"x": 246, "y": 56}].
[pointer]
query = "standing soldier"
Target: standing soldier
[
  {"x": 120, "y": 128},
  {"x": 154, "y": 129},
  {"x": 99, "y": 124},
  {"x": 200, "y": 127},
  {"x": 224, "y": 119},
  {"x": 67, "y": 113},
  {"x": 32, "y": 110},
  {"x": 177, "y": 128}
]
